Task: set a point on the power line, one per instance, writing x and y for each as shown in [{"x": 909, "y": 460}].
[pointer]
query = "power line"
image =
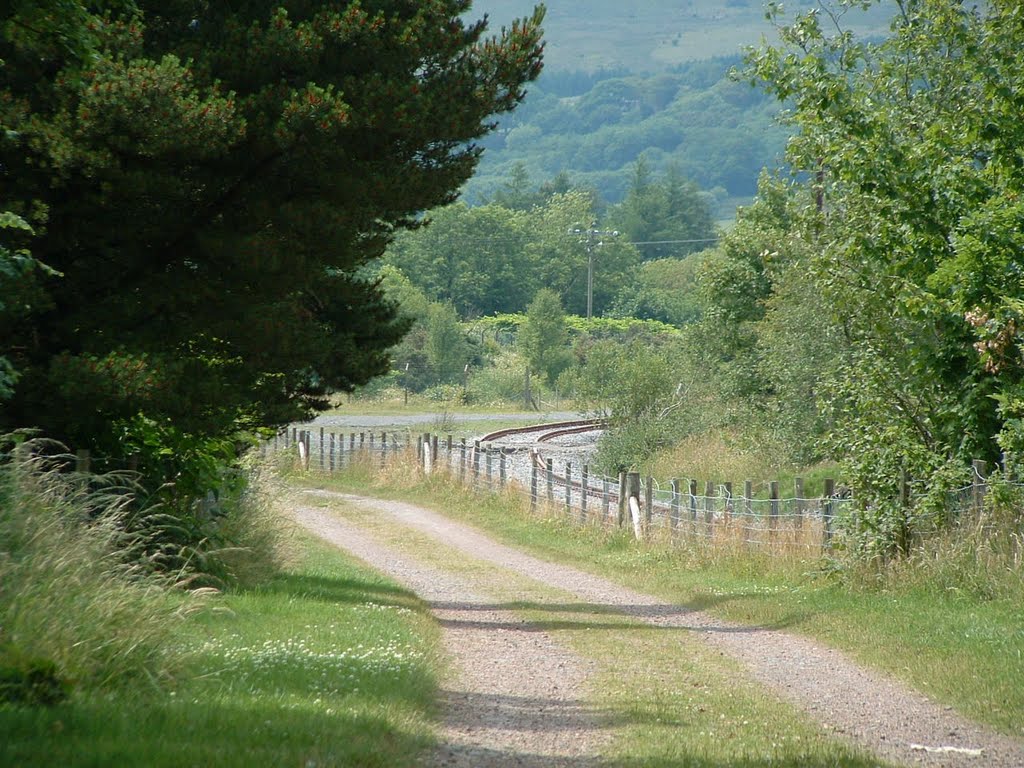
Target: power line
[
  {"x": 675, "y": 242},
  {"x": 516, "y": 241}
]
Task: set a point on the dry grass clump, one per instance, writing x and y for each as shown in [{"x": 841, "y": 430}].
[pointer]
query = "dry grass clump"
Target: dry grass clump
[
  {"x": 261, "y": 539},
  {"x": 713, "y": 456}
]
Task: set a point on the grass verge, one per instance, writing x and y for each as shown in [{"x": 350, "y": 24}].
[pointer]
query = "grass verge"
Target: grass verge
[
  {"x": 959, "y": 649},
  {"x": 326, "y": 664}
]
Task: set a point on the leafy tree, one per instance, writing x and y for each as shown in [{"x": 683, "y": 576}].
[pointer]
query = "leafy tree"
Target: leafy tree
[
  {"x": 636, "y": 386},
  {"x": 212, "y": 178},
  {"x": 665, "y": 290},
  {"x": 543, "y": 338},
  {"x": 561, "y": 257},
  {"x": 911, "y": 148},
  {"x": 16, "y": 272},
  {"x": 473, "y": 258},
  {"x": 516, "y": 192}
]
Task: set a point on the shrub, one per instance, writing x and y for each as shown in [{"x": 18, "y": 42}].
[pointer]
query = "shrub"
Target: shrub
[{"x": 501, "y": 382}]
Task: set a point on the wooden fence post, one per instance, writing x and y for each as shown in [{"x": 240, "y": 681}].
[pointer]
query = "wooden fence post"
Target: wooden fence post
[
  {"x": 979, "y": 487},
  {"x": 828, "y": 510},
  {"x": 488, "y": 452},
  {"x": 693, "y": 507},
  {"x": 673, "y": 518},
  {"x": 83, "y": 461},
  {"x": 476, "y": 463},
  {"x": 728, "y": 503},
  {"x": 502, "y": 470},
  {"x": 462, "y": 461},
  {"x": 568, "y": 488},
  {"x": 623, "y": 500},
  {"x": 773, "y": 519},
  {"x": 633, "y": 499},
  {"x": 799, "y": 488},
  {"x": 533, "y": 485},
  {"x": 585, "y": 490},
  {"x": 550, "y": 473}
]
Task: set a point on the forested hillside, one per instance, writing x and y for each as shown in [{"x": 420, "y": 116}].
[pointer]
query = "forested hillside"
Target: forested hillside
[
  {"x": 647, "y": 78},
  {"x": 716, "y": 132}
]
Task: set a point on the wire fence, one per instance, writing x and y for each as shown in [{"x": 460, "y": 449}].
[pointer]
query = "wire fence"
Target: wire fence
[
  {"x": 748, "y": 514},
  {"x": 713, "y": 513}
]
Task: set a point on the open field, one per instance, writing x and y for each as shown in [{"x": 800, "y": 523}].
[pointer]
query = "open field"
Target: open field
[{"x": 652, "y": 34}]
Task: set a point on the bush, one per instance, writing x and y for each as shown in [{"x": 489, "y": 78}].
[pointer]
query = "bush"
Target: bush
[{"x": 502, "y": 381}]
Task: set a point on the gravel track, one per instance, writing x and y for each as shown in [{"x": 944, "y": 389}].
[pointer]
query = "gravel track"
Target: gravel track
[
  {"x": 874, "y": 712},
  {"x": 517, "y": 698}
]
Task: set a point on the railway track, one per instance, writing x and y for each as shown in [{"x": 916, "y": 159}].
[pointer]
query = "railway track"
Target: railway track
[{"x": 516, "y": 441}]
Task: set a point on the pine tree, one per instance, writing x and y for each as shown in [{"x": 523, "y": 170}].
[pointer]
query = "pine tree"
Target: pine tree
[{"x": 209, "y": 180}]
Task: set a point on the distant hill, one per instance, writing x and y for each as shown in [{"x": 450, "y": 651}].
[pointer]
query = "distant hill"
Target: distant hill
[
  {"x": 625, "y": 78},
  {"x": 717, "y": 132},
  {"x": 651, "y": 35}
]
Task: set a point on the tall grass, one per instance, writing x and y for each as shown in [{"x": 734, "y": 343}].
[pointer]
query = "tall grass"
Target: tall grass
[
  {"x": 78, "y": 609},
  {"x": 260, "y": 541}
]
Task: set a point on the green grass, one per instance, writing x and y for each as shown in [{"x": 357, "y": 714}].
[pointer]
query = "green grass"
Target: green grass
[
  {"x": 327, "y": 664},
  {"x": 961, "y": 650},
  {"x": 665, "y": 698}
]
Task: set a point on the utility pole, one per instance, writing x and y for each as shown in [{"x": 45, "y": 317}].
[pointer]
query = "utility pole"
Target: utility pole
[{"x": 592, "y": 237}]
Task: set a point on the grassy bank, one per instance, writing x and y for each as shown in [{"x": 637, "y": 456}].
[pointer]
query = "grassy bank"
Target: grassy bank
[
  {"x": 959, "y": 648},
  {"x": 325, "y": 665},
  {"x": 103, "y": 662}
]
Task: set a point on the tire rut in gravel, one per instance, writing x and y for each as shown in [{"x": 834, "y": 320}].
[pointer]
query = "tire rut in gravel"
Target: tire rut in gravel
[
  {"x": 517, "y": 698},
  {"x": 886, "y": 717}
]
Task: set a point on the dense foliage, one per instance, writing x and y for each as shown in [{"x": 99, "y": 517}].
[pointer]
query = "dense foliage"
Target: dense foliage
[
  {"x": 494, "y": 258},
  {"x": 716, "y": 132},
  {"x": 867, "y": 309},
  {"x": 205, "y": 182}
]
